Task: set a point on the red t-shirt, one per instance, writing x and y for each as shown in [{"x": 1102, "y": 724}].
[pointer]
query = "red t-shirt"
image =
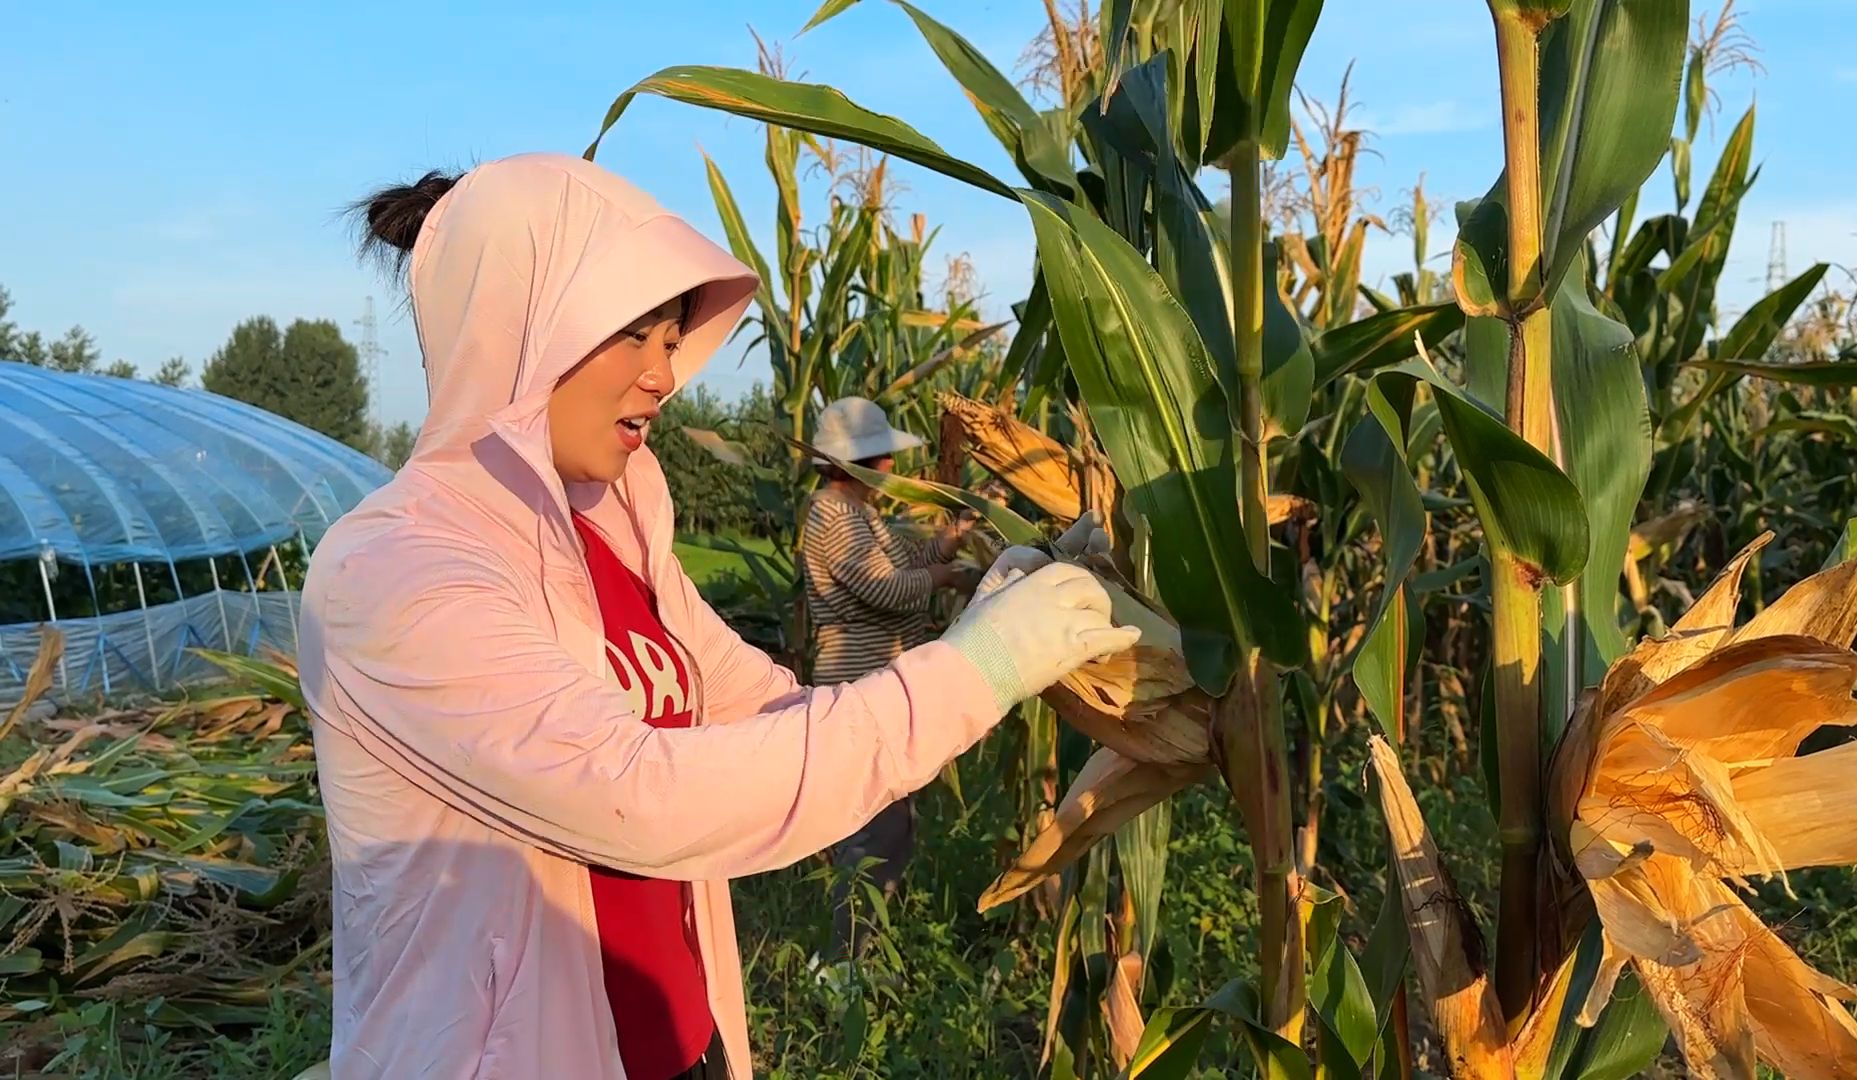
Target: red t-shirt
[{"x": 648, "y": 950}]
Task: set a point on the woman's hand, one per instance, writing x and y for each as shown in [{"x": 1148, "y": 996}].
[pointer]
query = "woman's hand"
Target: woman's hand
[
  {"x": 957, "y": 576},
  {"x": 1037, "y": 628},
  {"x": 948, "y": 540},
  {"x": 1086, "y": 537}
]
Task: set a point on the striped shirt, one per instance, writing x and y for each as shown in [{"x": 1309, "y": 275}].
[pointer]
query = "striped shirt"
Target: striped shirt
[{"x": 867, "y": 587}]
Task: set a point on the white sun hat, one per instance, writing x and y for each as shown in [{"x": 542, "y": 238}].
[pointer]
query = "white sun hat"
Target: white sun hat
[{"x": 855, "y": 429}]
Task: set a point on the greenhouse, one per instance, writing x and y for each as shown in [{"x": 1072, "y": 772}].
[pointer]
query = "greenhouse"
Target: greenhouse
[{"x": 145, "y": 521}]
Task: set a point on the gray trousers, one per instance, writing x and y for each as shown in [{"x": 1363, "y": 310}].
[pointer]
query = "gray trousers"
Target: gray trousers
[{"x": 890, "y": 837}]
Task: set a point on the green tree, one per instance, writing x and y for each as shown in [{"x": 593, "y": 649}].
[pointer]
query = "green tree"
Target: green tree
[
  {"x": 307, "y": 373},
  {"x": 122, "y": 369},
  {"x": 9, "y": 330},
  {"x": 174, "y": 372},
  {"x": 75, "y": 352},
  {"x": 392, "y": 446}
]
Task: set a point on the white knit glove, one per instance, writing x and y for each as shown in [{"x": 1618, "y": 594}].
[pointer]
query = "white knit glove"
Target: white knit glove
[
  {"x": 1034, "y": 629},
  {"x": 1086, "y": 537}
]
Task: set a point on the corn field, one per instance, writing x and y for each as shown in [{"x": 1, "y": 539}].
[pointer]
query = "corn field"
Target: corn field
[
  {"x": 1541, "y": 534},
  {"x": 1342, "y": 516}
]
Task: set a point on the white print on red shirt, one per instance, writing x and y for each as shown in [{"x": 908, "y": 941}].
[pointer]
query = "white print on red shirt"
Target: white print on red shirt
[{"x": 658, "y": 693}]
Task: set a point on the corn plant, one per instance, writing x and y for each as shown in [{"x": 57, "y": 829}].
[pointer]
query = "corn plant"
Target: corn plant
[
  {"x": 1189, "y": 365},
  {"x": 1203, "y": 385}
]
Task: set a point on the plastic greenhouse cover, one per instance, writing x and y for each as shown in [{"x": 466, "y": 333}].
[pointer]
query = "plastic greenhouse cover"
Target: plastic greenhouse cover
[
  {"x": 150, "y": 649},
  {"x": 102, "y": 470}
]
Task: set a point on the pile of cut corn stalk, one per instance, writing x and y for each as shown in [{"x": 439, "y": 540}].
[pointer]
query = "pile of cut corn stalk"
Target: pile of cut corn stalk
[{"x": 172, "y": 853}]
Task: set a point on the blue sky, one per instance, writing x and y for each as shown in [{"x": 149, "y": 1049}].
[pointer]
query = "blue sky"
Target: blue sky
[{"x": 172, "y": 169}]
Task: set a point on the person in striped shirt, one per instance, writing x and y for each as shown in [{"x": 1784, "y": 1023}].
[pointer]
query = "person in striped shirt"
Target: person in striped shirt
[{"x": 868, "y": 590}]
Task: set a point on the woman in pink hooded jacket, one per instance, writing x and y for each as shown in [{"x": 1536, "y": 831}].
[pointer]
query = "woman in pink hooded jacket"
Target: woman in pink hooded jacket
[{"x": 541, "y": 753}]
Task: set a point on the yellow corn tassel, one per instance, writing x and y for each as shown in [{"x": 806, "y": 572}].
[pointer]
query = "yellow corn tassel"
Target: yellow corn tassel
[{"x": 1680, "y": 774}]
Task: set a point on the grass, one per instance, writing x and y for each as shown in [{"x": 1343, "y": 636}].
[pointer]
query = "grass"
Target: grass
[{"x": 706, "y": 564}]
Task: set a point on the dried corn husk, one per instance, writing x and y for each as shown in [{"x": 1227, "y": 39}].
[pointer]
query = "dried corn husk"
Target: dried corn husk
[
  {"x": 1680, "y": 774},
  {"x": 38, "y": 677},
  {"x": 1110, "y": 790},
  {"x": 1153, "y": 724},
  {"x": 1141, "y": 702},
  {"x": 1447, "y": 947},
  {"x": 1029, "y": 461}
]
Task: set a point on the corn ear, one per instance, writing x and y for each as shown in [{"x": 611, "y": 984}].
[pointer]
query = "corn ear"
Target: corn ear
[
  {"x": 1680, "y": 775},
  {"x": 1141, "y": 702},
  {"x": 1030, "y": 462}
]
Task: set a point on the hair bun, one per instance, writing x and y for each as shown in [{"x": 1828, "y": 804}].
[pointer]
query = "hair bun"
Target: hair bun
[{"x": 392, "y": 217}]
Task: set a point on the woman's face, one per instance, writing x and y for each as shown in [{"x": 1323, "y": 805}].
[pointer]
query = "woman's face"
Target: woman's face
[{"x": 601, "y": 411}]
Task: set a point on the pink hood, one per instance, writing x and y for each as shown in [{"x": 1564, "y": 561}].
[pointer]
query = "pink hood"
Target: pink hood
[{"x": 473, "y": 753}]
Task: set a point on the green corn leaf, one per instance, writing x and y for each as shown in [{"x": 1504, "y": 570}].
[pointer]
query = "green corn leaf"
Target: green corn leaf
[
  {"x": 1383, "y": 965},
  {"x": 1043, "y": 160},
  {"x": 727, "y": 451},
  {"x": 1275, "y": 1057},
  {"x": 1141, "y": 850},
  {"x": 827, "y": 11},
  {"x": 820, "y": 110},
  {"x": 21, "y": 962},
  {"x": 1289, "y": 364},
  {"x": 1688, "y": 287},
  {"x": 1153, "y": 396},
  {"x": 1381, "y": 339},
  {"x": 1845, "y": 549},
  {"x": 1628, "y": 1037},
  {"x": 1755, "y": 332},
  {"x": 261, "y": 674},
  {"x": 1605, "y": 433},
  {"x": 1609, "y": 75},
  {"x": 741, "y": 244},
  {"x": 1737, "y": 353},
  {"x": 1480, "y": 258},
  {"x": 1621, "y": 234},
  {"x": 1261, "y": 50},
  {"x": 1529, "y": 509},
  {"x": 1338, "y": 992},
  {"x": 1170, "y": 1044},
  {"x": 1818, "y": 422},
  {"x": 1607, "y": 99},
  {"x": 1835, "y": 374},
  {"x": 1010, "y": 526},
  {"x": 1344, "y": 275},
  {"x": 1374, "y": 462}
]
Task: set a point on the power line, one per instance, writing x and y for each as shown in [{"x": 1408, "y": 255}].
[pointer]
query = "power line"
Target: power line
[
  {"x": 1776, "y": 257},
  {"x": 371, "y": 353}
]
